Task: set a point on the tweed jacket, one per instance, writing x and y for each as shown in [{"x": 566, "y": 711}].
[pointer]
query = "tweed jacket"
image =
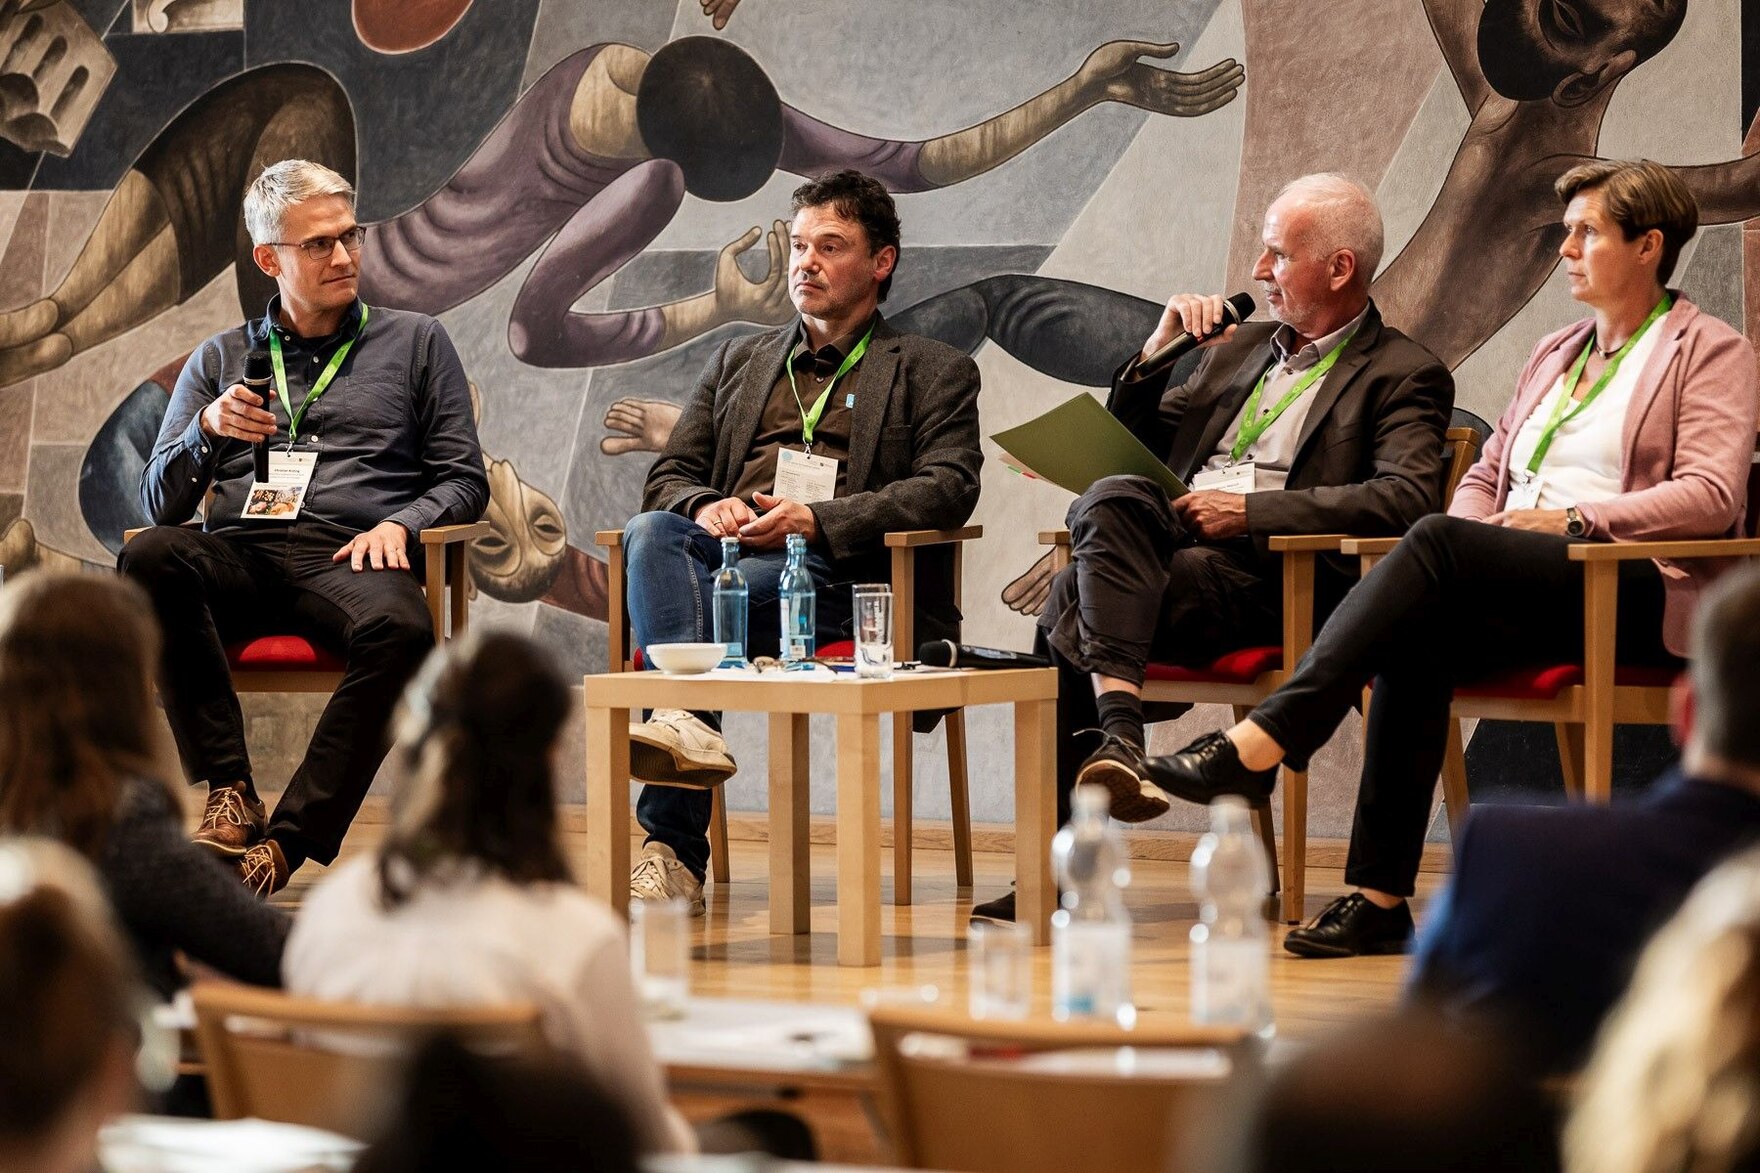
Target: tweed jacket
[{"x": 913, "y": 451}]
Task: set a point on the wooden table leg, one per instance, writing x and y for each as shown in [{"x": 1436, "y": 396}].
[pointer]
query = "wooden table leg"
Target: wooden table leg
[
  {"x": 1035, "y": 814},
  {"x": 790, "y": 853},
  {"x": 858, "y": 839},
  {"x": 608, "y": 806},
  {"x": 903, "y": 740}
]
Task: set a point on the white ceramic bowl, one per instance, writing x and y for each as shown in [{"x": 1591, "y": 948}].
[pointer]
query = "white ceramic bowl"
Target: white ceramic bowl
[{"x": 686, "y": 659}]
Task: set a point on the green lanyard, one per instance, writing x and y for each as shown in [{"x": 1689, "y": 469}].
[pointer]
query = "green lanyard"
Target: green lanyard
[
  {"x": 295, "y": 418},
  {"x": 1253, "y": 425},
  {"x": 810, "y": 419},
  {"x": 1558, "y": 418}
]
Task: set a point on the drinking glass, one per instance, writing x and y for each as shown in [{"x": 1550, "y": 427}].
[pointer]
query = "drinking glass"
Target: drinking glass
[
  {"x": 873, "y": 631},
  {"x": 1001, "y": 970},
  {"x": 660, "y": 954}
]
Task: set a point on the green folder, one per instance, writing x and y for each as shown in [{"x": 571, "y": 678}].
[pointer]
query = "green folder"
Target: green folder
[{"x": 1078, "y": 442}]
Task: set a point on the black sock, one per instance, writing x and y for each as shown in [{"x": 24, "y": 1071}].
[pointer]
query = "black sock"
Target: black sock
[
  {"x": 1121, "y": 715},
  {"x": 712, "y": 720},
  {"x": 292, "y": 855}
]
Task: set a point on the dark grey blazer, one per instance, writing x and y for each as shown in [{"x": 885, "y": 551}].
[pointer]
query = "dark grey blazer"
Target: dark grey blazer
[
  {"x": 1369, "y": 459},
  {"x": 913, "y": 452}
]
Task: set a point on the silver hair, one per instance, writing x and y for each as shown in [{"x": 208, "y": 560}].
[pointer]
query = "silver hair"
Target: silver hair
[
  {"x": 280, "y": 187},
  {"x": 1345, "y": 216}
]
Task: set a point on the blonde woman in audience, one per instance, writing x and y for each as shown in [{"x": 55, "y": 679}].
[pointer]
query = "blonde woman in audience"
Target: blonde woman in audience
[
  {"x": 469, "y": 900},
  {"x": 1674, "y": 1086},
  {"x": 68, "y": 1000},
  {"x": 81, "y": 762}
]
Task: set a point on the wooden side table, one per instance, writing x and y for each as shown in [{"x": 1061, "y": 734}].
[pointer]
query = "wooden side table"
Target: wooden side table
[{"x": 790, "y": 698}]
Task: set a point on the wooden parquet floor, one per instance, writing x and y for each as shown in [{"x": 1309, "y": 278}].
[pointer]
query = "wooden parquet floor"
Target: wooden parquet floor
[{"x": 924, "y": 944}]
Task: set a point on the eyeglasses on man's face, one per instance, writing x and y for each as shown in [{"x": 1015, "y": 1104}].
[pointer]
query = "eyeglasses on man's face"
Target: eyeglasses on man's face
[{"x": 320, "y": 248}]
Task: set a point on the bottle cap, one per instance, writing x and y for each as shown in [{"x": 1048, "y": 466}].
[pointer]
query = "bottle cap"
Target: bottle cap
[
  {"x": 1230, "y": 812},
  {"x": 1091, "y": 799}
]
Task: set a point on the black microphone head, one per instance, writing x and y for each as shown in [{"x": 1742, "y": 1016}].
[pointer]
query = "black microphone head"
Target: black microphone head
[
  {"x": 1240, "y": 307},
  {"x": 256, "y": 367},
  {"x": 937, "y": 653}
]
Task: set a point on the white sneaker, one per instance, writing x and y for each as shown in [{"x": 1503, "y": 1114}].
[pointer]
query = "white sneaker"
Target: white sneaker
[
  {"x": 659, "y": 876},
  {"x": 675, "y": 748}
]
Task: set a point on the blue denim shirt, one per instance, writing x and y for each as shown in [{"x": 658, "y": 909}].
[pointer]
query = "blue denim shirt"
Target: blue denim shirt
[{"x": 394, "y": 432}]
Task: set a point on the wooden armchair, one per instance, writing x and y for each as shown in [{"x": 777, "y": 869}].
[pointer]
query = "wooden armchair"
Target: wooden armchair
[
  {"x": 1582, "y": 701},
  {"x": 329, "y": 1065},
  {"x": 1243, "y": 678},
  {"x": 904, "y": 545},
  {"x": 292, "y": 663}
]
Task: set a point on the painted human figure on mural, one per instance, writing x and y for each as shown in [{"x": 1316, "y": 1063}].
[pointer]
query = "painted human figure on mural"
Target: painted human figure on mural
[
  {"x": 595, "y": 159},
  {"x": 1537, "y": 76}
]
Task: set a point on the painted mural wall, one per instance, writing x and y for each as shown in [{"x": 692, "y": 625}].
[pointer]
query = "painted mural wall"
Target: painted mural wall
[{"x": 587, "y": 193}]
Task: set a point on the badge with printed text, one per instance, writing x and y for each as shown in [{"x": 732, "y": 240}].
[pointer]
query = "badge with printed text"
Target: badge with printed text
[
  {"x": 1236, "y": 478},
  {"x": 1524, "y": 490},
  {"x": 803, "y": 477},
  {"x": 283, "y": 495}
]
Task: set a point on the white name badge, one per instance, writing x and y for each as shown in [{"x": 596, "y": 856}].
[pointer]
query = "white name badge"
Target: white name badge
[
  {"x": 283, "y": 495},
  {"x": 1524, "y": 490},
  {"x": 1236, "y": 478},
  {"x": 803, "y": 477}
]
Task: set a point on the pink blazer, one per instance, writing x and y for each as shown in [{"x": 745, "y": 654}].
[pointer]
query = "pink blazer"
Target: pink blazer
[{"x": 1689, "y": 441}]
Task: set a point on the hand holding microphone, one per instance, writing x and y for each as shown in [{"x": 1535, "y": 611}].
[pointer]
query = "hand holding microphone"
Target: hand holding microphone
[
  {"x": 1191, "y": 320},
  {"x": 257, "y": 372},
  {"x": 238, "y": 413}
]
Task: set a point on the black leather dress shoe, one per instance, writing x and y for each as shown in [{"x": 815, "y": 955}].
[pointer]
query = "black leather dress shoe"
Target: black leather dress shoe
[
  {"x": 998, "y": 911},
  {"x": 1120, "y": 766},
  {"x": 1209, "y": 768},
  {"x": 1353, "y": 926}
]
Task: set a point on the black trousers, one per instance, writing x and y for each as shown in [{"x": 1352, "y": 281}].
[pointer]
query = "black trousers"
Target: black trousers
[
  {"x": 1455, "y": 601},
  {"x": 1138, "y": 589},
  {"x": 211, "y": 590}
]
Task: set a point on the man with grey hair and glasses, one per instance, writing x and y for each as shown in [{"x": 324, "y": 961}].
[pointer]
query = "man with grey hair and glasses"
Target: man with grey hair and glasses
[
  {"x": 371, "y": 440},
  {"x": 1322, "y": 420}
]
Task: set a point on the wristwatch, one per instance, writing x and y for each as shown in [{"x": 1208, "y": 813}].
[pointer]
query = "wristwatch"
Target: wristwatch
[{"x": 1574, "y": 525}]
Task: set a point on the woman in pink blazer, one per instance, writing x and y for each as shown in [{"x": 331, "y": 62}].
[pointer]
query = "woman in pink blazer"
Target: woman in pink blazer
[{"x": 1637, "y": 424}]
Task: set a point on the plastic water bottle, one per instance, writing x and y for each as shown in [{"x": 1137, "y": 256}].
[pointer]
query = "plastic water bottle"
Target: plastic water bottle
[
  {"x": 1231, "y": 946},
  {"x": 730, "y": 605},
  {"x": 1091, "y": 932},
  {"x": 799, "y": 605}
]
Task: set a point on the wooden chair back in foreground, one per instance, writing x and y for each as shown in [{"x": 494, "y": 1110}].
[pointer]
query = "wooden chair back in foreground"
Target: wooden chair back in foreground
[
  {"x": 330, "y": 1065},
  {"x": 984, "y": 1096}
]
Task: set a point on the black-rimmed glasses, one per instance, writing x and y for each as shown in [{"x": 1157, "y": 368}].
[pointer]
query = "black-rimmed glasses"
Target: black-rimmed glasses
[{"x": 319, "y": 248}]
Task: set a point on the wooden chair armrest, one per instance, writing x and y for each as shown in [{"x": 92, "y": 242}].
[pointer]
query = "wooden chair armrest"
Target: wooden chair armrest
[
  {"x": 446, "y": 535},
  {"x": 1054, "y": 537},
  {"x": 933, "y": 537},
  {"x": 129, "y": 535},
  {"x": 1298, "y": 543},
  {"x": 1372, "y": 547},
  {"x": 1626, "y": 551},
  {"x": 609, "y": 538}
]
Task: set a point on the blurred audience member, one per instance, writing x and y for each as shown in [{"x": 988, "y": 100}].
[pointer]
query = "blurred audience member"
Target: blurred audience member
[
  {"x": 461, "y": 1111},
  {"x": 1674, "y": 1084},
  {"x": 68, "y": 1001},
  {"x": 1403, "y": 1095},
  {"x": 1548, "y": 908},
  {"x": 81, "y": 761},
  {"x": 469, "y": 900}
]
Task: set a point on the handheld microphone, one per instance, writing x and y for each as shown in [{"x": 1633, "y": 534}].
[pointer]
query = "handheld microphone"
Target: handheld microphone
[
  {"x": 257, "y": 377},
  {"x": 944, "y": 653},
  {"x": 1235, "y": 310}
]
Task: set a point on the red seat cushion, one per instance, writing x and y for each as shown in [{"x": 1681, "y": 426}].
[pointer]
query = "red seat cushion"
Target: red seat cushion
[
  {"x": 1239, "y": 667},
  {"x": 1545, "y": 681},
  {"x": 282, "y": 653}
]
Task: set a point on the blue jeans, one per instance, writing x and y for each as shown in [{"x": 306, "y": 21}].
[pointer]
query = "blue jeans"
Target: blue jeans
[{"x": 671, "y": 562}]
